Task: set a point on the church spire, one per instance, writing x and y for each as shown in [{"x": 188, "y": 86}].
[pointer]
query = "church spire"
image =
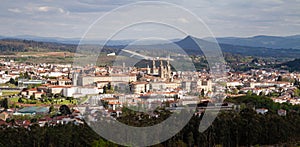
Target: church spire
[
  {"x": 168, "y": 68},
  {"x": 153, "y": 66},
  {"x": 162, "y": 69}
]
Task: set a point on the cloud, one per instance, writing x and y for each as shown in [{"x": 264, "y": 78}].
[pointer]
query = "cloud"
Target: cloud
[
  {"x": 182, "y": 20},
  {"x": 48, "y": 9},
  {"x": 14, "y": 10},
  {"x": 44, "y": 9},
  {"x": 71, "y": 18}
]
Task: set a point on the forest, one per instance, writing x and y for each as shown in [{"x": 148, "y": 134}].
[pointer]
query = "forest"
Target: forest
[
  {"x": 12, "y": 46},
  {"x": 242, "y": 127}
]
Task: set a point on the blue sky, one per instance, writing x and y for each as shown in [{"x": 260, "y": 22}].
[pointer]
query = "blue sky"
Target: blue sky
[{"x": 72, "y": 18}]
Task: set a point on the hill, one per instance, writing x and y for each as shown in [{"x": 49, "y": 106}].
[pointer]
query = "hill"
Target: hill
[
  {"x": 16, "y": 45},
  {"x": 291, "y": 65},
  {"x": 10, "y": 46},
  {"x": 276, "y": 42},
  {"x": 188, "y": 45}
]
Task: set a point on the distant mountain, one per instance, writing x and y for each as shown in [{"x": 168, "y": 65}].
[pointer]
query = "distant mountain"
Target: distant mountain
[
  {"x": 276, "y": 42},
  {"x": 294, "y": 37},
  {"x": 20, "y": 45},
  {"x": 46, "y": 39},
  {"x": 188, "y": 45},
  {"x": 191, "y": 47},
  {"x": 74, "y": 41}
]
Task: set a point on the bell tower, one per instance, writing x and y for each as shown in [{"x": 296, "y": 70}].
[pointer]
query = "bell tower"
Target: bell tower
[
  {"x": 161, "y": 70},
  {"x": 153, "y": 66}
]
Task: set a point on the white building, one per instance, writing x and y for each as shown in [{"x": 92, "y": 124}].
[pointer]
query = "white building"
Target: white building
[
  {"x": 79, "y": 91},
  {"x": 234, "y": 84}
]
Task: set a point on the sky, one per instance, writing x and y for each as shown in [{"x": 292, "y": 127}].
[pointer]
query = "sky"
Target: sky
[{"x": 74, "y": 18}]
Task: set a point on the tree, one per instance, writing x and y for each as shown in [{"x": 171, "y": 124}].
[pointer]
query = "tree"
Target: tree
[
  {"x": 249, "y": 92},
  {"x": 235, "y": 91},
  {"x": 32, "y": 97},
  {"x": 190, "y": 139},
  {"x": 51, "y": 108},
  {"x": 101, "y": 143},
  {"x": 4, "y": 103},
  {"x": 20, "y": 100},
  {"x": 279, "y": 78},
  {"x": 64, "y": 110},
  {"x": 13, "y": 81},
  {"x": 44, "y": 96},
  {"x": 104, "y": 89},
  {"x": 202, "y": 93},
  {"x": 25, "y": 75},
  {"x": 57, "y": 95},
  {"x": 109, "y": 86},
  {"x": 239, "y": 87},
  {"x": 297, "y": 92}
]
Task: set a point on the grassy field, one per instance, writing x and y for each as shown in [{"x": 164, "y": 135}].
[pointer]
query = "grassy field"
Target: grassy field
[
  {"x": 10, "y": 92},
  {"x": 43, "y": 54},
  {"x": 55, "y": 101},
  {"x": 65, "y": 58},
  {"x": 66, "y": 102},
  {"x": 8, "y": 85},
  {"x": 45, "y": 59},
  {"x": 60, "y": 58},
  {"x": 14, "y": 99}
]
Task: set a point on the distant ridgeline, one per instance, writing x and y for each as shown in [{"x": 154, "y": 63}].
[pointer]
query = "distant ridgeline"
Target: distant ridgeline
[
  {"x": 187, "y": 44},
  {"x": 9, "y": 46}
]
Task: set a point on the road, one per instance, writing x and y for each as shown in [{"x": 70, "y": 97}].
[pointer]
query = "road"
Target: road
[{"x": 140, "y": 56}]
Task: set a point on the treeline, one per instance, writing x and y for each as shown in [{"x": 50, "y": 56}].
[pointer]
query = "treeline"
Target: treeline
[
  {"x": 229, "y": 129},
  {"x": 291, "y": 65},
  {"x": 254, "y": 101},
  {"x": 16, "y": 45},
  {"x": 245, "y": 128},
  {"x": 35, "y": 136},
  {"x": 238, "y": 127},
  {"x": 9, "y": 46}
]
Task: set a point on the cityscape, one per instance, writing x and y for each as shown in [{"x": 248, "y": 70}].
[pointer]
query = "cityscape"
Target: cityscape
[{"x": 150, "y": 73}]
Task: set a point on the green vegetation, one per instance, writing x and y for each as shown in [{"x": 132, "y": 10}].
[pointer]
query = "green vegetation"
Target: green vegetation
[
  {"x": 4, "y": 103},
  {"x": 65, "y": 102},
  {"x": 43, "y": 59},
  {"x": 291, "y": 65},
  {"x": 8, "y": 85},
  {"x": 262, "y": 102},
  {"x": 16, "y": 45},
  {"x": 13, "y": 81},
  {"x": 230, "y": 128},
  {"x": 64, "y": 110},
  {"x": 60, "y": 135},
  {"x": 108, "y": 89},
  {"x": 58, "y": 101},
  {"x": 10, "y": 92}
]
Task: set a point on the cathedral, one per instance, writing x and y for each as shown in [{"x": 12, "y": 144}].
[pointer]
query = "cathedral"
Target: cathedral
[{"x": 163, "y": 71}]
